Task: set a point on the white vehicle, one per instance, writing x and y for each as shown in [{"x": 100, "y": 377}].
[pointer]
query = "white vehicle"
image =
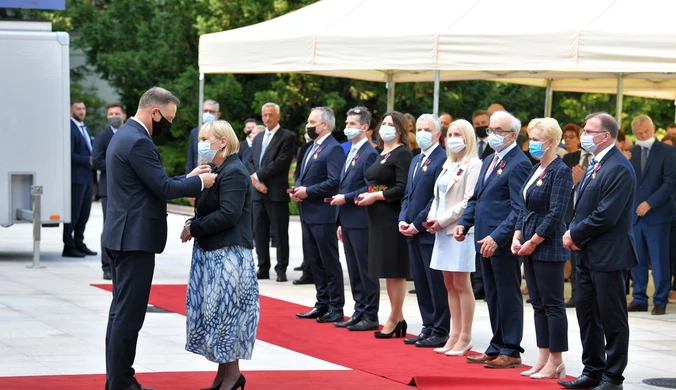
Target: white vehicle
[{"x": 34, "y": 123}]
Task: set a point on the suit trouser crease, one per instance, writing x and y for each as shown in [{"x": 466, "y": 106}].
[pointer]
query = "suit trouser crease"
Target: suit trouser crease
[
  {"x": 545, "y": 288},
  {"x": 271, "y": 216},
  {"x": 430, "y": 289},
  {"x": 81, "y": 205},
  {"x": 365, "y": 288},
  {"x": 105, "y": 259},
  {"x": 653, "y": 249},
  {"x": 321, "y": 247},
  {"x": 502, "y": 283}
]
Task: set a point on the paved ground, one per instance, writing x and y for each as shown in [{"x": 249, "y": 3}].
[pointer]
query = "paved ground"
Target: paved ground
[{"x": 53, "y": 322}]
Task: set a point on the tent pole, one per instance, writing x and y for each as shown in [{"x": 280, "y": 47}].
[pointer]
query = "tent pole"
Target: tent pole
[
  {"x": 674, "y": 110},
  {"x": 618, "y": 103},
  {"x": 390, "y": 91},
  {"x": 201, "y": 100},
  {"x": 435, "y": 104},
  {"x": 548, "y": 99}
]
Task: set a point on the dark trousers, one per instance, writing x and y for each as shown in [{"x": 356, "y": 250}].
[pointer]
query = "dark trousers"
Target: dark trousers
[
  {"x": 573, "y": 285},
  {"x": 429, "y": 289},
  {"x": 132, "y": 277},
  {"x": 502, "y": 283},
  {"x": 271, "y": 216},
  {"x": 321, "y": 247},
  {"x": 80, "y": 207},
  {"x": 652, "y": 248},
  {"x": 477, "y": 277},
  {"x": 672, "y": 255},
  {"x": 601, "y": 306},
  {"x": 545, "y": 288},
  {"x": 105, "y": 259},
  {"x": 365, "y": 288}
]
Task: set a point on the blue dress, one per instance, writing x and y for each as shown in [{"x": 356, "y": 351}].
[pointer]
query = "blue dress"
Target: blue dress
[{"x": 223, "y": 306}]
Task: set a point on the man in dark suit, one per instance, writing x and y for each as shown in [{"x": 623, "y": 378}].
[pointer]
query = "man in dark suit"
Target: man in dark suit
[
  {"x": 136, "y": 226},
  {"x": 210, "y": 112},
  {"x": 353, "y": 223},
  {"x": 116, "y": 117},
  {"x": 306, "y": 276},
  {"x": 82, "y": 184},
  {"x": 320, "y": 179},
  {"x": 655, "y": 167},
  {"x": 269, "y": 160},
  {"x": 429, "y": 283},
  {"x": 601, "y": 231},
  {"x": 250, "y": 132},
  {"x": 493, "y": 210}
]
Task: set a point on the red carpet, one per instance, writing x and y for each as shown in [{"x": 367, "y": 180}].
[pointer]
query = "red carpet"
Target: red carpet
[
  {"x": 361, "y": 351},
  {"x": 255, "y": 380}
]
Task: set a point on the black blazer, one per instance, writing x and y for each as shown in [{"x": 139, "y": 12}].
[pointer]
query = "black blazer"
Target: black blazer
[
  {"x": 487, "y": 150},
  {"x": 299, "y": 159},
  {"x": 223, "y": 212},
  {"x": 572, "y": 159},
  {"x": 81, "y": 167},
  {"x": 244, "y": 152},
  {"x": 99, "y": 157},
  {"x": 274, "y": 169},
  {"x": 138, "y": 190}
]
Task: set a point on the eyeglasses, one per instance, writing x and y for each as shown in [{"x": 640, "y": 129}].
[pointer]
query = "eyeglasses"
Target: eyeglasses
[
  {"x": 569, "y": 137},
  {"x": 593, "y": 132},
  {"x": 497, "y": 131}
]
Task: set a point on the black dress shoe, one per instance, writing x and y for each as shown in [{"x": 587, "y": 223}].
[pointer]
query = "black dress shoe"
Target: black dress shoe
[
  {"x": 298, "y": 268},
  {"x": 413, "y": 340},
  {"x": 331, "y": 316},
  {"x": 314, "y": 313},
  {"x": 86, "y": 250},
  {"x": 432, "y": 342},
  {"x": 581, "y": 382},
  {"x": 570, "y": 303},
  {"x": 659, "y": 309},
  {"x": 281, "y": 277},
  {"x": 635, "y": 306},
  {"x": 71, "y": 252},
  {"x": 107, "y": 275},
  {"x": 304, "y": 280},
  {"x": 350, "y": 321},
  {"x": 479, "y": 295},
  {"x": 607, "y": 386},
  {"x": 262, "y": 275},
  {"x": 364, "y": 325},
  {"x": 411, "y": 291}
]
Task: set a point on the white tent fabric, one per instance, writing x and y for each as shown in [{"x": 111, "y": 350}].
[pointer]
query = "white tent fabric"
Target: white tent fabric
[{"x": 581, "y": 45}]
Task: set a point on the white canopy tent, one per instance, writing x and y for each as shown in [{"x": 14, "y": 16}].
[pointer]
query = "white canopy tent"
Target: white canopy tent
[{"x": 605, "y": 46}]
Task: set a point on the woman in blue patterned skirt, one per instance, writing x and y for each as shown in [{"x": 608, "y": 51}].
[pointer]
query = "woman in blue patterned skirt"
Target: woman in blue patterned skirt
[{"x": 223, "y": 306}]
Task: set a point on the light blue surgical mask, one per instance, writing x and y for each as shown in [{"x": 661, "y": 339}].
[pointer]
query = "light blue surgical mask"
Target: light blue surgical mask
[
  {"x": 496, "y": 141},
  {"x": 208, "y": 117},
  {"x": 587, "y": 143},
  {"x": 424, "y": 139},
  {"x": 387, "y": 133},
  {"x": 205, "y": 152},
  {"x": 535, "y": 149},
  {"x": 350, "y": 132}
]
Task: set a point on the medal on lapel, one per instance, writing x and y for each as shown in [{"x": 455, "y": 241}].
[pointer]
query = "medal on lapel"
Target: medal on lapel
[
  {"x": 542, "y": 176},
  {"x": 502, "y": 165},
  {"x": 385, "y": 158},
  {"x": 596, "y": 168},
  {"x": 354, "y": 160},
  {"x": 427, "y": 162},
  {"x": 457, "y": 175},
  {"x": 317, "y": 153}
]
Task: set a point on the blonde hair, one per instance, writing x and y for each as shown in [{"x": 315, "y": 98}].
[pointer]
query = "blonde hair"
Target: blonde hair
[
  {"x": 549, "y": 126},
  {"x": 471, "y": 148},
  {"x": 222, "y": 129},
  {"x": 641, "y": 119}
]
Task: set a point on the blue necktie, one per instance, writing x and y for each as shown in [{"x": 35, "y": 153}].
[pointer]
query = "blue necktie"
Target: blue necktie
[
  {"x": 266, "y": 141},
  {"x": 350, "y": 156},
  {"x": 85, "y": 134}
]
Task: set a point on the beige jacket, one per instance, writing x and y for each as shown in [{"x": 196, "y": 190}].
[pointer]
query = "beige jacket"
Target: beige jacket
[{"x": 457, "y": 195}]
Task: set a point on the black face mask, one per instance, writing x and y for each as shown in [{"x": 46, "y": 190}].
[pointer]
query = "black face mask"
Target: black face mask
[
  {"x": 161, "y": 126},
  {"x": 115, "y": 121},
  {"x": 312, "y": 132},
  {"x": 481, "y": 131}
]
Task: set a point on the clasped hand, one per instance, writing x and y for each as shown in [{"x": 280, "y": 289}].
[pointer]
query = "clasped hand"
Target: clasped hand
[
  {"x": 185, "y": 234},
  {"x": 204, "y": 172}
]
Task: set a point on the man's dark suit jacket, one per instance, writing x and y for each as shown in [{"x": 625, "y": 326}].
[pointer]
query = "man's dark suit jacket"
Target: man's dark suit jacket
[
  {"x": 299, "y": 159},
  {"x": 274, "y": 169},
  {"x": 138, "y": 190},
  {"x": 571, "y": 160},
  {"x": 602, "y": 225},
  {"x": 191, "y": 159},
  {"x": 656, "y": 184},
  {"x": 244, "y": 151},
  {"x": 80, "y": 165},
  {"x": 352, "y": 183},
  {"x": 223, "y": 212},
  {"x": 487, "y": 150},
  {"x": 101, "y": 143}
]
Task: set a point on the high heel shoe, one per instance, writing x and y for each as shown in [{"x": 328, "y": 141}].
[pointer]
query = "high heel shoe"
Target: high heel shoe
[
  {"x": 560, "y": 373},
  {"x": 443, "y": 349},
  {"x": 399, "y": 331},
  {"x": 241, "y": 381},
  {"x": 460, "y": 353}
]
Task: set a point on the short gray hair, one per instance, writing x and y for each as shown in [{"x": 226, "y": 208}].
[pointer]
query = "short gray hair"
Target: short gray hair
[
  {"x": 327, "y": 116},
  {"x": 364, "y": 114},
  {"x": 212, "y": 103},
  {"x": 157, "y": 96},
  {"x": 270, "y": 104},
  {"x": 608, "y": 123},
  {"x": 515, "y": 123},
  {"x": 430, "y": 117}
]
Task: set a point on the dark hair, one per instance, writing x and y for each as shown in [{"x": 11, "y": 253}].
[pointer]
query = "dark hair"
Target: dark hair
[
  {"x": 671, "y": 138},
  {"x": 116, "y": 104},
  {"x": 572, "y": 127},
  {"x": 364, "y": 114},
  {"x": 671, "y": 126},
  {"x": 157, "y": 96},
  {"x": 608, "y": 123},
  {"x": 249, "y": 120},
  {"x": 620, "y": 135},
  {"x": 75, "y": 102},
  {"x": 399, "y": 122},
  {"x": 479, "y": 113}
]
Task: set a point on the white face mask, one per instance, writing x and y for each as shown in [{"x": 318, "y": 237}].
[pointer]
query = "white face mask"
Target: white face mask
[
  {"x": 455, "y": 145},
  {"x": 646, "y": 143},
  {"x": 387, "y": 132},
  {"x": 587, "y": 143}
]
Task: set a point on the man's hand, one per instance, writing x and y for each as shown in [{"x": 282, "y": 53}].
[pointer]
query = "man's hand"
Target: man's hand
[
  {"x": 411, "y": 231},
  {"x": 568, "y": 242},
  {"x": 367, "y": 199},
  {"x": 339, "y": 233},
  {"x": 253, "y": 180},
  {"x": 338, "y": 200},
  {"x": 436, "y": 227},
  {"x": 91, "y": 160},
  {"x": 578, "y": 174},
  {"x": 185, "y": 234},
  {"x": 516, "y": 246},
  {"x": 627, "y": 154},
  {"x": 300, "y": 193},
  {"x": 260, "y": 187},
  {"x": 208, "y": 179},
  {"x": 488, "y": 246},
  {"x": 643, "y": 209},
  {"x": 199, "y": 170},
  {"x": 459, "y": 233}
]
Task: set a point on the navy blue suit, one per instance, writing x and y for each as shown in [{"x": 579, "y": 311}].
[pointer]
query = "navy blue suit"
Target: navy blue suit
[
  {"x": 191, "y": 158},
  {"x": 353, "y": 220},
  {"x": 655, "y": 185},
  {"x": 429, "y": 283},
  {"x": 493, "y": 211},
  {"x": 135, "y": 229},
  {"x": 602, "y": 229},
  {"x": 101, "y": 143},
  {"x": 81, "y": 188},
  {"x": 321, "y": 177},
  {"x": 544, "y": 214}
]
